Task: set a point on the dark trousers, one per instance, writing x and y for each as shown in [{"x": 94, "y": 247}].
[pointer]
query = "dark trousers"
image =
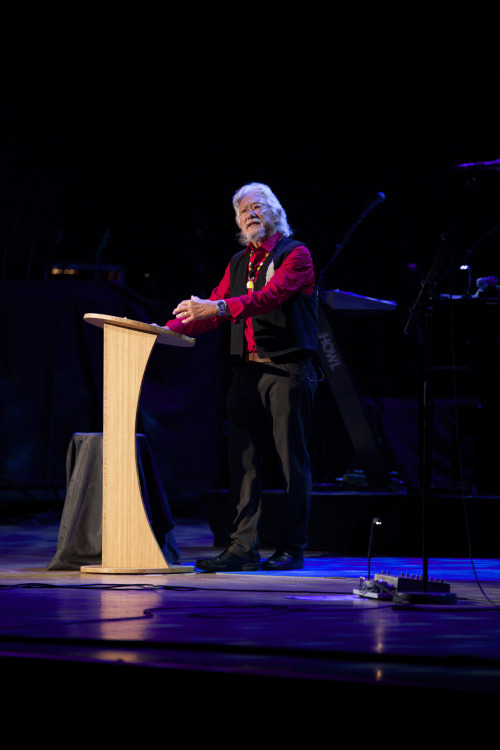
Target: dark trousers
[{"x": 270, "y": 401}]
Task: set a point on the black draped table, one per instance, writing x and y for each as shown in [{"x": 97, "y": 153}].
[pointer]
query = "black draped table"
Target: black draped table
[{"x": 80, "y": 533}]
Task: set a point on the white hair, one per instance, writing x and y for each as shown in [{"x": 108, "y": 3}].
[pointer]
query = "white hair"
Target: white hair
[{"x": 269, "y": 197}]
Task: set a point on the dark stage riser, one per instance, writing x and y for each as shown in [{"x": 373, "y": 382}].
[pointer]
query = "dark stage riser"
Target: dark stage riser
[{"x": 340, "y": 523}]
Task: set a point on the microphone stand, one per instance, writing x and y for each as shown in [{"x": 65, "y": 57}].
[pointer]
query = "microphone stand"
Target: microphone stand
[
  {"x": 339, "y": 248},
  {"x": 380, "y": 197},
  {"x": 365, "y": 443},
  {"x": 424, "y": 306}
]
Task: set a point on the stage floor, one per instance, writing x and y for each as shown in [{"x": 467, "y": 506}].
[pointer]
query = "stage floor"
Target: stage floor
[{"x": 233, "y": 635}]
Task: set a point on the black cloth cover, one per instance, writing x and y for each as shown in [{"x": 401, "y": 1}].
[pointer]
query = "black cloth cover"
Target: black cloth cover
[{"x": 80, "y": 533}]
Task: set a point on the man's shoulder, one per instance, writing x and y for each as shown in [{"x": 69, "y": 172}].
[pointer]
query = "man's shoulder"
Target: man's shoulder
[{"x": 287, "y": 244}]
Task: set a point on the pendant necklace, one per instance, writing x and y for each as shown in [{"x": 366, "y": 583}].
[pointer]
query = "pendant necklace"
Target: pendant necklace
[{"x": 253, "y": 271}]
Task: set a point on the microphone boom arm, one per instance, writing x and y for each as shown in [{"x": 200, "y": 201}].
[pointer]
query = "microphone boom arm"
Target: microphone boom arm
[{"x": 379, "y": 198}]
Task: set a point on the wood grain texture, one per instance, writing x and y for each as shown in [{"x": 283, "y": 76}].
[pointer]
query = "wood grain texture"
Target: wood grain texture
[
  {"x": 164, "y": 335},
  {"x": 128, "y": 542}
]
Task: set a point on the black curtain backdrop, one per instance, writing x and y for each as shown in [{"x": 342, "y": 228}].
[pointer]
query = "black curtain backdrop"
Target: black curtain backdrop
[
  {"x": 125, "y": 132},
  {"x": 132, "y": 130},
  {"x": 51, "y": 365}
]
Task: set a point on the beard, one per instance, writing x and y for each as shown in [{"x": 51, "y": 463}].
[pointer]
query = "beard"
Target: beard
[{"x": 255, "y": 233}]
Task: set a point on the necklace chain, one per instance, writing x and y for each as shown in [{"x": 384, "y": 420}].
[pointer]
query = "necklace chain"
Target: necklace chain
[{"x": 252, "y": 272}]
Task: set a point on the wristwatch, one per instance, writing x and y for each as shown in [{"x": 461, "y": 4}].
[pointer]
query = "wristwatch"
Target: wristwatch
[{"x": 221, "y": 307}]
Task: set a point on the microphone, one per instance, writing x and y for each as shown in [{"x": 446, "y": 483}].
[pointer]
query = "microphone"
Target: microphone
[
  {"x": 480, "y": 165},
  {"x": 379, "y": 198}
]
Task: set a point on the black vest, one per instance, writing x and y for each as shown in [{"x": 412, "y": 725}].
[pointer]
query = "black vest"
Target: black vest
[{"x": 292, "y": 327}]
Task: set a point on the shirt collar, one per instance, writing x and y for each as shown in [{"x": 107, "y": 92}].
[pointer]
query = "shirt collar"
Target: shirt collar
[{"x": 267, "y": 245}]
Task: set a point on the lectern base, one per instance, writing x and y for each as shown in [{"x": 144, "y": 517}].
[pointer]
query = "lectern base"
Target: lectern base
[{"x": 137, "y": 571}]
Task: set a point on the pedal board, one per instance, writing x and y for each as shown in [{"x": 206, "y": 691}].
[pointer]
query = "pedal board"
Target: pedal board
[
  {"x": 405, "y": 588},
  {"x": 410, "y": 583}
]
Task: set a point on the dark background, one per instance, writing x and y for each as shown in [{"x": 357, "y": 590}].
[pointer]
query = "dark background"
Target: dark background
[{"x": 126, "y": 130}]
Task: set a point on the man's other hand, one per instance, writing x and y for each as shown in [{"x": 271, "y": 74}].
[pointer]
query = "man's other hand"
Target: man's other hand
[{"x": 195, "y": 309}]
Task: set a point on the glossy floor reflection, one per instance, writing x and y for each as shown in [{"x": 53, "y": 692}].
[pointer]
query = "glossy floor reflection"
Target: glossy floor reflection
[{"x": 306, "y": 628}]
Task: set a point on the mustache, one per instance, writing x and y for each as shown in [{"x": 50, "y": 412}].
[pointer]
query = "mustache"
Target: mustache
[{"x": 245, "y": 236}]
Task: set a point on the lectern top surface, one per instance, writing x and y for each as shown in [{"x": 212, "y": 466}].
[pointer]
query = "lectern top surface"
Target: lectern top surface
[{"x": 165, "y": 336}]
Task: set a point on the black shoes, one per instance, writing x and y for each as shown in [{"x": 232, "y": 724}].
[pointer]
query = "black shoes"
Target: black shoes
[
  {"x": 227, "y": 562},
  {"x": 284, "y": 561}
]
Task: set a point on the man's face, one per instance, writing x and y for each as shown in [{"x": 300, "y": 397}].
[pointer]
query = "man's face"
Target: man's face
[{"x": 255, "y": 219}]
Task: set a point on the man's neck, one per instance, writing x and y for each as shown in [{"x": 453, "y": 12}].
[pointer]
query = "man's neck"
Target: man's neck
[{"x": 268, "y": 243}]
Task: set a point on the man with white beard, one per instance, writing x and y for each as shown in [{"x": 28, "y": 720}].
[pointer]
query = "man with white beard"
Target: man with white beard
[{"x": 269, "y": 295}]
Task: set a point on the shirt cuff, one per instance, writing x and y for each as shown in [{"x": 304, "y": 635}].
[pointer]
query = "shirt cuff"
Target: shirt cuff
[
  {"x": 175, "y": 325},
  {"x": 235, "y": 307}
]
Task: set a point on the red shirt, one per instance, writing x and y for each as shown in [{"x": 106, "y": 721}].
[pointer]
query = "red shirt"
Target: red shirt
[{"x": 294, "y": 276}]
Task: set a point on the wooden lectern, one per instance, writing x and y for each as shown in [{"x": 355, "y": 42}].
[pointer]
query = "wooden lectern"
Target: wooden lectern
[{"x": 128, "y": 543}]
